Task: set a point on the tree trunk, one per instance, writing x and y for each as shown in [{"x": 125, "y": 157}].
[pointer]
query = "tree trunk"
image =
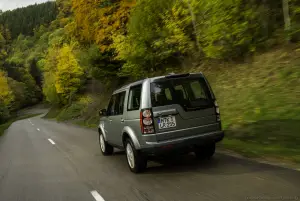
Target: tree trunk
[
  {"x": 286, "y": 15},
  {"x": 194, "y": 25},
  {"x": 71, "y": 98}
]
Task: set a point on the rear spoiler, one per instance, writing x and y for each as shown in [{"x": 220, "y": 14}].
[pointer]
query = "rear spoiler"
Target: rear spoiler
[{"x": 173, "y": 75}]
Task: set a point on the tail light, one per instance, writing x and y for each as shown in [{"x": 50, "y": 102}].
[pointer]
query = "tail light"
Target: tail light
[
  {"x": 146, "y": 121},
  {"x": 217, "y": 111}
]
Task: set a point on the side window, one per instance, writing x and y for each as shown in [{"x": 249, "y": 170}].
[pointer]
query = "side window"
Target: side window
[
  {"x": 111, "y": 106},
  {"x": 168, "y": 94},
  {"x": 119, "y": 106},
  {"x": 134, "y": 98},
  {"x": 161, "y": 94}
]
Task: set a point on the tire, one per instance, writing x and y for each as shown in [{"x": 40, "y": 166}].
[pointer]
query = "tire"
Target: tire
[
  {"x": 138, "y": 163},
  {"x": 106, "y": 149},
  {"x": 206, "y": 151}
]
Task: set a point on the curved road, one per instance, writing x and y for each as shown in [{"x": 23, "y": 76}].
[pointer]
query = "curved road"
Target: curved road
[{"x": 44, "y": 160}]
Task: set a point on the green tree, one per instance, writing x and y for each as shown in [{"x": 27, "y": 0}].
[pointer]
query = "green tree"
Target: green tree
[
  {"x": 229, "y": 29},
  {"x": 49, "y": 66},
  {"x": 24, "y": 20},
  {"x": 3, "y": 53},
  {"x": 295, "y": 20},
  {"x": 158, "y": 33},
  {"x": 49, "y": 89},
  {"x": 19, "y": 92},
  {"x": 4, "y": 44},
  {"x": 6, "y": 97},
  {"x": 23, "y": 69}
]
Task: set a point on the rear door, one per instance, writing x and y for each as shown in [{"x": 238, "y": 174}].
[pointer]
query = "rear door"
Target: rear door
[
  {"x": 117, "y": 119},
  {"x": 182, "y": 106},
  {"x": 108, "y": 120}
]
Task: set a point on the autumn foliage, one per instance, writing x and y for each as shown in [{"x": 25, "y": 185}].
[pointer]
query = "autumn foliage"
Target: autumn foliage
[{"x": 101, "y": 20}]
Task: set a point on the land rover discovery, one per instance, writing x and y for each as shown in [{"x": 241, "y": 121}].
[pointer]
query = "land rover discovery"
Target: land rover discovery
[{"x": 161, "y": 115}]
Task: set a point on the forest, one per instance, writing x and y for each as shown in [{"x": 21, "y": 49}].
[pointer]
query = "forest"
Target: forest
[
  {"x": 51, "y": 52},
  {"x": 44, "y": 45}
]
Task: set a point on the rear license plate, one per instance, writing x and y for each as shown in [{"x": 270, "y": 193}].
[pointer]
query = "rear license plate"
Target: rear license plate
[{"x": 166, "y": 122}]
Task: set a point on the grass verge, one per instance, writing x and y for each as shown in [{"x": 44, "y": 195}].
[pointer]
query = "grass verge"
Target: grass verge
[
  {"x": 83, "y": 112},
  {"x": 259, "y": 104},
  {"x": 52, "y": 113},
  {"x": 6, "y": 125}
]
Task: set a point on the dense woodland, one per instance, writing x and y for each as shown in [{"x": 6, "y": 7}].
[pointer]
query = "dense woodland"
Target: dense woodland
[
  {"x": 49, "y": 51},
  {"x": 24, "y": 21}
]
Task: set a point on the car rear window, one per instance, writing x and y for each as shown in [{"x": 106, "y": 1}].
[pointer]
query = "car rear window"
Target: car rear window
[{"x": 190, "y": 93}]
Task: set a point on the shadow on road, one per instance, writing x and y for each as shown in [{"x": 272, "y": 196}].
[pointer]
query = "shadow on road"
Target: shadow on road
[{"x": 220, "y": 164}]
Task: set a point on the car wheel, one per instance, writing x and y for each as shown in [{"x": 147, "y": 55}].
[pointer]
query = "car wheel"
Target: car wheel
[
  {"x": 137, "y": 162},
  {"x": 205, "y": 152},
  {"x": 105, "y": 148}
]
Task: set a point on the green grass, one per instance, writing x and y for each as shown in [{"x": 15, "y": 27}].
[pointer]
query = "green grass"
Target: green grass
[
  {"x": 260, "y": 104},
  {"x": 74, "y": 111},
  {"x": 52, "y": 113},
  {"x": 256, "y": 150},
  {"x": 90, "y": 122},
  {"x": 83, "y": 112},
  {"x": 6, "y": 125}
]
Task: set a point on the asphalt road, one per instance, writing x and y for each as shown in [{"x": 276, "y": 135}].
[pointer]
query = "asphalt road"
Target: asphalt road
[{"x": 44, "y": 160}]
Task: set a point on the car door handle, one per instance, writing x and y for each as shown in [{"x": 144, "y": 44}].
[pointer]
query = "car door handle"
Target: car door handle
[{"x": 122, "y": 120}]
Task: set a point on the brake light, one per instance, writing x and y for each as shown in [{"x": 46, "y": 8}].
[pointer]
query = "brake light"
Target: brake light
[
  {"x": 217, "y": 111},
  {"x": 146, "y": 121}
]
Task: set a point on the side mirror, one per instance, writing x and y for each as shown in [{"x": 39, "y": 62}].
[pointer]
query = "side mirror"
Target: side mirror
[{"x": 102, "y": 112}]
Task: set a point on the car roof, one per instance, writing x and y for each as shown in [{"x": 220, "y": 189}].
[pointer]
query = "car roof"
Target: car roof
[
  {"x": 129, "y": 85},
  {"x": 152, "y": 79}
]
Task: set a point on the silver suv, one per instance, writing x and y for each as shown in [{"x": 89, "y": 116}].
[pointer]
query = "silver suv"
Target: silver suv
[{"x": 161, "y": 115}]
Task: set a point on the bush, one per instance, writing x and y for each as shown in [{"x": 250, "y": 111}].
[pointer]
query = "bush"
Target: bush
[
  {"x": 4, "y": 113},
  {"x": 73, "y": 111}
]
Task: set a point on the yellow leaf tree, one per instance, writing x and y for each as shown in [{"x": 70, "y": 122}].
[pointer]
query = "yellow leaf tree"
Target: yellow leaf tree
[
  {"x": 6, "y": 97},
  {"x": 6, "y": 94},
  {"x": 101, "y": 20},
  {"x": 68, "y": 76}
]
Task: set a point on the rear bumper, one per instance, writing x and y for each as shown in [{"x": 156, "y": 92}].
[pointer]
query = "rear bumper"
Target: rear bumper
[{"x": 155, "y": 148}]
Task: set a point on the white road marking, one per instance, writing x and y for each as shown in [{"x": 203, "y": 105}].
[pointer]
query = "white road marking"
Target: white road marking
[
  {"x": 51, "y": 141},
  {"x": 97, "y": 196},
  {"x": 38, "y": 129},
  {"x": 30, "y": 122}
]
